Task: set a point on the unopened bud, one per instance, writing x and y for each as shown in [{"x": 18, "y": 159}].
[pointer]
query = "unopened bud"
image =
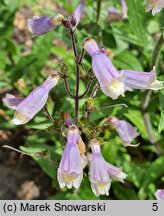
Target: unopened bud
[{"x": 64, "y": 68}]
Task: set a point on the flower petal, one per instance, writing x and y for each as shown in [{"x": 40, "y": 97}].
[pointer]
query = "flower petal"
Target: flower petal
[
  {"x": 78, "y": 11},
  {"x": 11, "y": 101},
  {"x": 141, "y": 80}
]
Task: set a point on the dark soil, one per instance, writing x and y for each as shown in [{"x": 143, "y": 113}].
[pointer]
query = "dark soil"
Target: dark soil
[{"x": 22, "y": 178}]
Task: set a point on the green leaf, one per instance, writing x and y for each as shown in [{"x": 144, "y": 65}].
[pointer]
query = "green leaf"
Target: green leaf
[
  {"x": 161, "y": 122},
  {"x": 48, "y": 168},
  {"x": 136, "y": 16},
  {"x": 135, "y": 172},
  {"x": 31, "y": 65},
  {"x": 124, "y": 35},
  {"x": 108, "y": 39},
  {"x": 153, "y": 172},
  {"x": 10, "y": 47},
  {"x": 93, "y": 28},
  {"x": 124, "y": 193},
  {"x": 127, "y": 60}
]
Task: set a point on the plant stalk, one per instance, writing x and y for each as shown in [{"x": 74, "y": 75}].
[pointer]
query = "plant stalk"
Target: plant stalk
[{"x": 77, "y": 76}]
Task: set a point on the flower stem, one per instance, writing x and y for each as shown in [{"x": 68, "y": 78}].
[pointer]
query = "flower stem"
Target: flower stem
[
  {"x": 95, "y": 90},
  {"x": 73, "y": 42},
  {"x": 81, "y": 56},
  {"x": 49, "y": 115},
  {"x": 110, "y": 106},
  {"x": 98, "y": 10},
  {"x": 87, "y": 89},
  {"x": 67, "y": 87},
  {"x": 157, "y": 51},
  {"x": 77, "y": 76},
  {"x": 14, "y": 149}
]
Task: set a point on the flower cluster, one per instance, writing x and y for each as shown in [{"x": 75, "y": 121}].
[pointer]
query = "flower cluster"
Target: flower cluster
[{"x": 113, "y": 83}]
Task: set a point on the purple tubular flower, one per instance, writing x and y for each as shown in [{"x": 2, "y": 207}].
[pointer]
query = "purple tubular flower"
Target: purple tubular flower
[
  {"x": 78, "y": 12},
  {"x": 154, "y": 5},
  {"x": 141, "y": 80},
  {"x": 159, "y": 194},
  {"x": 125, "y": 130},
  {"x": 101, "y": 172},
  {"x": 110, "y": 80},
  {"x": 44, "y": 24},
  {"x": 70, "y": 171},
  {"x": 124, "y": 8},
  {"x": 39, "y": 25},
  {"x": 27, "y": 108}
]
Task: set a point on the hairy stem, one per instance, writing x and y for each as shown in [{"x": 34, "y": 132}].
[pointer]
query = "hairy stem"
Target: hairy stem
[
  {"x": 17, "y": 150},
  {"x": 110, "y": 106},
  {"x": 27, "y": 154},
  {"x": 49, "y": 115},
  {"x": 98, "y": 10},
  {"x": 95, "y": 90},
  {"x": 67, "y": 87},
  {"x": 87, "y": 89},
  {"x": 77, "y": 76},
  {"x": 81, "y": 56}
]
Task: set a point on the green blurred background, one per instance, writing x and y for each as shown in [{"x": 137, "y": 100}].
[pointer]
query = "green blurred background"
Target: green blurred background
[{"x": 25, "y": 61}]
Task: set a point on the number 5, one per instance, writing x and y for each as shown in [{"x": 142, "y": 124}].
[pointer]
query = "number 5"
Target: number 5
[{"x": 155, "y": 207}]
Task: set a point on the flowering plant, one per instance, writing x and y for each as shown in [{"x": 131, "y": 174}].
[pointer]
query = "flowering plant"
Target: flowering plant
[{"x": 101, "y": 95}]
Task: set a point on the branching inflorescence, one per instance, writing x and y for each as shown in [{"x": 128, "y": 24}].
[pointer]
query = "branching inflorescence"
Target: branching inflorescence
[{"x": 112, "y": 82}]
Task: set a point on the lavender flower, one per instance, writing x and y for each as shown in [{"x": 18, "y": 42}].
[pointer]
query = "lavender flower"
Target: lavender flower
[
  {"x": 77, "y": 13},
  {"x": 11, "y": 101},
  {"x": 110, "y": 80},
  {"x": 101, "y": 172},
  {"x": 27, "y": 108},
  {"x": 154, "y": 5},
  {"x": 70, "y": 171},
  {"x": 116, "y": 173},
  {"x": 124, "y": 8},
  {"x": 159, "y": 194},
  {"x": 44, "y": 24},
  {"x": 141, "y": 80},
  {"x": 125, "y": 130}
]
